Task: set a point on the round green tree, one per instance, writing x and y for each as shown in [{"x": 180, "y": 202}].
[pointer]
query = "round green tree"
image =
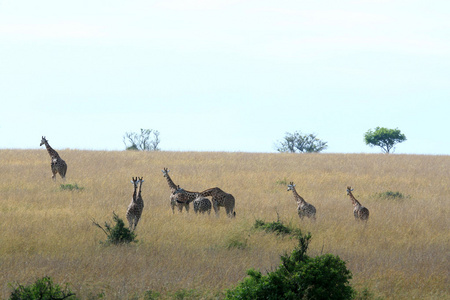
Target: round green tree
[{"x": 384, "y": 138}]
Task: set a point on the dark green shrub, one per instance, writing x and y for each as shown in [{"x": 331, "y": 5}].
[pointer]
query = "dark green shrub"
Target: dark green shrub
[
  {"x": 70, "y": 187},
  {"x": 151, "y": 295},
  {"x": 391, "y": 195},
  {"x": 276, "y": 227},
  {"x": 298, "y": 277},
  {"x": 117, "y": 234},
  {"x": 43, "y": 289}
]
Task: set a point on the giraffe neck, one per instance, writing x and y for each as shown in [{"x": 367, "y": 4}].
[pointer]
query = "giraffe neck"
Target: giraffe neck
[
  {"x": 172, "y": 185},
  {"x": 134, "y": 193},
  {"x": 211, "y": 192},
  {"x": 354, "y": 201},
  {"x": 140, "y": 188},
  {"x": 298, "y": 198},
  {"x": 51, "y": 151}
]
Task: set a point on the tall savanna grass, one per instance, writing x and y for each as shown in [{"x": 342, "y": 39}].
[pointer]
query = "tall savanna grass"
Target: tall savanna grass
[{"x": 401, "y": 253}]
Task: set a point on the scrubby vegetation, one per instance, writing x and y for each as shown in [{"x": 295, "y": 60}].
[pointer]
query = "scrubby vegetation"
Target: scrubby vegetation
[
  {"x": 70, "y": 187},
  {"x": 42, "y": 289},
  {"x": 298, "y": 276},
  {"x": 391, "y": 195},
  {"x": 117, "y": 234}
]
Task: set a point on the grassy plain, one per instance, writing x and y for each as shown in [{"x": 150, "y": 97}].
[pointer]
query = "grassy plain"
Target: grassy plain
[{"x": 401, "y": 253}]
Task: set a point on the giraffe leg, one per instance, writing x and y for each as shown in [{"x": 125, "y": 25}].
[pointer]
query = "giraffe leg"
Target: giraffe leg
[
  {"x": 63, "y": 171},
  {"x": 130, "y": 222},
  {"x": 216, "y": 208}
]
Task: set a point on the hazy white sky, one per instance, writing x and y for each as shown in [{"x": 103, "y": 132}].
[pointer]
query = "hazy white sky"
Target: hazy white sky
[{"x": 224, "y": 75}]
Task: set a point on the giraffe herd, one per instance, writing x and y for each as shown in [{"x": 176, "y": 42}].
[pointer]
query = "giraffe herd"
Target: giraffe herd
[{"x": 181, "y": 198}]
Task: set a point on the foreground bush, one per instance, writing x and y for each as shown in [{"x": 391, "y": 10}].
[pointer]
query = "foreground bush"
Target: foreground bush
[
  {"x": 43, "y": 289},
  {"x": 298, "y": 277}
]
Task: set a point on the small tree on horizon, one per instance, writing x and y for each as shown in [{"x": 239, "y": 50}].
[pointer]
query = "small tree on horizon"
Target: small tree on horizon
[
  {"x": 298, "y": 142},
  {"x": 384, "y": 138},
  {"x": 142, "y": 141}
]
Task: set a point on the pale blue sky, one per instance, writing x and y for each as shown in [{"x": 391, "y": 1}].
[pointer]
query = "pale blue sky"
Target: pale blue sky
[{"x": 224, "y": 75}]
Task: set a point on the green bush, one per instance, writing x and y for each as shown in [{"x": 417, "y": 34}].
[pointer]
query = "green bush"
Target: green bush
[
  {"x": 276, "y": 227},
  {"x": 70, "y": 187},
  {"x": 391, "y": 195},
  {"x": 43, "y": 289},
  {"x": 117, "y": 234},
  {"x": 298, "y": 277}
]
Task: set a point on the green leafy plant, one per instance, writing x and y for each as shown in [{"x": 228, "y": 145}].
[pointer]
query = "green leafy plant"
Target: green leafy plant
[
  {"x": 384, "y": 138},
  {"x": 117, "y": 234},
  {"x": 151, "y": 295},
  {"x": 276, "y": 227},
  {"x": 44, "y": 289},
  {"x": 298, "y": 142},
  {"x": 70, "y": 187},
  {"x": 298, "y": 277},
  {"x": 391, "y": 195}
]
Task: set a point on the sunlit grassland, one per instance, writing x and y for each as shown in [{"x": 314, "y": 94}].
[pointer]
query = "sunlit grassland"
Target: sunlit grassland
[{"x": 401, "y": 253}]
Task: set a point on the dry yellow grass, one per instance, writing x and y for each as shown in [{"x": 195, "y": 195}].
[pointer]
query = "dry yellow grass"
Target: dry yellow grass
[{"x": 402, "y": 252}]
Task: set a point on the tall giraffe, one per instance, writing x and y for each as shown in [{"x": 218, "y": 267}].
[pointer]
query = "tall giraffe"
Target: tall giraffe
[
  {"x": 178, "y": 196},
  {"x": 303, "y": 208},
  {"x": 360, "y": 212},
  {"x": 136, "y": 206},
  {"x": 58, "y": 165},
  {"x": 220, "y": 198}
]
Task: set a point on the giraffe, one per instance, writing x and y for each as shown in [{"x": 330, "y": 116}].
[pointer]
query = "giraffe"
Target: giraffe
[
  {"x": 173, "y": 195},
  {"x": 178, "y": 196},
  {"x": 360, "y": 212},
  {"x": 136, "y": 206},
  {"x": 58, "y": 165},
  {"x": 303, "y": 207},
  {"x": 201, "y": 204},
  {"x": 220, "y": 198}
]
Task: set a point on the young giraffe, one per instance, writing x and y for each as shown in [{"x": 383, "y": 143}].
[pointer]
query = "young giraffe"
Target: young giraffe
[
  {"x": 58, "y": 165},
  {"x": 136, "y": 206},
  {"x": 220, "y": 198},
  {"x": 359, "y": 211},
  {"x": 303, "y": 207},
  {"x": 175, "y": 190},
  {"x": 201, "y": 204}
]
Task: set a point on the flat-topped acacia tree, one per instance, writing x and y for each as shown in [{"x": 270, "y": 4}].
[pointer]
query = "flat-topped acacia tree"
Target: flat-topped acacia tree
[{"x": 384, "y": 138}]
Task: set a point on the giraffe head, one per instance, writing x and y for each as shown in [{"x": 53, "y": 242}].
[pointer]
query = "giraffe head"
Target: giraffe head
[
  {"x": 165, "y": 172},
  {"x": 291, "y": 186},
  {"x": 134, "y": 181},
  {"x": 349, "y": 190},
  {"x": 43, "y": 141}
]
